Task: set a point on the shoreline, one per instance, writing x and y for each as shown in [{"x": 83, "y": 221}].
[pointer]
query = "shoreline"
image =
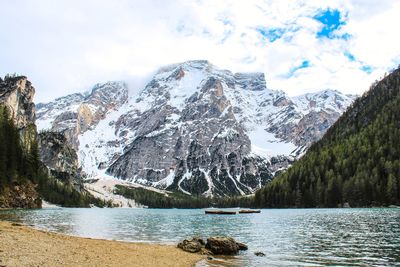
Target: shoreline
[{"x": 21, "y": 245}]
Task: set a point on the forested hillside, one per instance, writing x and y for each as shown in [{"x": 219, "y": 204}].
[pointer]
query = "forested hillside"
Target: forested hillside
[{"x": 356, "y": 162}]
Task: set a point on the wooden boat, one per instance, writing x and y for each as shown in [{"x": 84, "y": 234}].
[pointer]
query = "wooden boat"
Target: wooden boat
[
  {"x": 249, "y": 211},
  {"x": 223, "y": 212}
]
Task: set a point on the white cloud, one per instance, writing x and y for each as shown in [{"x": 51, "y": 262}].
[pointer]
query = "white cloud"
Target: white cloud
[{"x": 68, "y": 45}]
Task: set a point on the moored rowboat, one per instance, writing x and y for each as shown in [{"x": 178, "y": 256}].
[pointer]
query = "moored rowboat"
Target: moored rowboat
[
  {"x": 249, "y": 211},
  {"x": 220, "y": 212}
]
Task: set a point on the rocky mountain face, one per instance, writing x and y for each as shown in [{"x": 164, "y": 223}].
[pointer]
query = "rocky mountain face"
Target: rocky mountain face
[
  {"x": 193, "y": 128},
  {"x": 60, "y": 158},
  {"x": 16, "y": 93}
]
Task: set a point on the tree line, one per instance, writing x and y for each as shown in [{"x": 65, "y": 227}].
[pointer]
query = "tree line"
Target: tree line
[{"x": 153, "y": 199}]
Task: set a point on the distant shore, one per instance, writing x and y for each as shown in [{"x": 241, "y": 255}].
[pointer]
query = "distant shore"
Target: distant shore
[{"x": 24, "y": 246}]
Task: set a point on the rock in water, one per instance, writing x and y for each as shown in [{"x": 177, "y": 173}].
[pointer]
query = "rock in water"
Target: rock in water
[
  {"x": 224, "y": 245},
  {"x": 259, "y": 254},
  {"x": 194, "y": 245}
]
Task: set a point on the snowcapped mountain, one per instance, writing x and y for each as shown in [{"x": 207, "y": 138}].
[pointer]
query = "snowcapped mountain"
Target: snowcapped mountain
[{"x": 193, "y": 128}]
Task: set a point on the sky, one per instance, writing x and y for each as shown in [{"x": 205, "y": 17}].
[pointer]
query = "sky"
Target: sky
[{"x": 67, "y": 46}]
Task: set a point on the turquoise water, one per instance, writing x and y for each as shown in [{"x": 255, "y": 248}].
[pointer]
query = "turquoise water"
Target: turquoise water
[{"x": 289, "y": 237}]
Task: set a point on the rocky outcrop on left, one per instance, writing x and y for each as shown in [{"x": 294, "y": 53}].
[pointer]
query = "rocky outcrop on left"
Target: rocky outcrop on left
[{"x": 17, "y": 93}]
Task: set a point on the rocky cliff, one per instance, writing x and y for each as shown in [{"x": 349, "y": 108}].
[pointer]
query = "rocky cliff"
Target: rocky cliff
[
  {"x": 17, "y": 93},
  {"x": 60, "y": 158},
  {"x": 193, "y": 128}
]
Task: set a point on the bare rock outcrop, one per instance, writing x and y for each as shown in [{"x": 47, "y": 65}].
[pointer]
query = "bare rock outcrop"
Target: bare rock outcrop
[
  {"x": 17, "y": 93},
  {"x": 60, "y": 158}
]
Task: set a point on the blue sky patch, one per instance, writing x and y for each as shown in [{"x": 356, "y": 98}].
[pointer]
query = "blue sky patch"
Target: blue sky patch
[
  {"x": 332, "y": 20},
  {"x": 345, "y": 36},
  {"x": 350, "y": 56},
  {"x": 272, "y": 34},
  {"x": 366, "y": 68},
  {"x": 303, "y": 65}
]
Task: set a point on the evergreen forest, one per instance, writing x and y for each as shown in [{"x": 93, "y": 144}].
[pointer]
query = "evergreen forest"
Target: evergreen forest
[{"x": 356, "y": 163}]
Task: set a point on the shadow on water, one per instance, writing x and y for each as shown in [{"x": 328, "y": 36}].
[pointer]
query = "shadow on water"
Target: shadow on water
[{"x": 292, "y": 237}]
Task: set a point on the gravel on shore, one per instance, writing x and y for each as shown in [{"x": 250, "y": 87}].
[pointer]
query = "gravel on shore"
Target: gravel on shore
[{"x": 24, "y": 246}]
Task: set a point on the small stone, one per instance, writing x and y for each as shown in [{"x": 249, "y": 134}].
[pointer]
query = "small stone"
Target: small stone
[
  {"x": 345, "y": 236},
  {"x": 259, "y": 254}
]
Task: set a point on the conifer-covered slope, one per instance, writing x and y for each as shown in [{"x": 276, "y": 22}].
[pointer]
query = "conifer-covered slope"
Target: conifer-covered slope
[{"x": 356, "y": 162}]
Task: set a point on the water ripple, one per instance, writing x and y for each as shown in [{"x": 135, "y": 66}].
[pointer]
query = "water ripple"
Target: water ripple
[{"x": 301, "y": 237}]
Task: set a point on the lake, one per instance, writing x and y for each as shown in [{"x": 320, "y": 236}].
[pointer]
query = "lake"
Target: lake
[{"x": 288, "y": 237}]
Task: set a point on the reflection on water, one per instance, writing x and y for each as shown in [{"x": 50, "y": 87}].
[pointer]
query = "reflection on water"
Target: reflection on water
[{"x": 308, "y": 237}]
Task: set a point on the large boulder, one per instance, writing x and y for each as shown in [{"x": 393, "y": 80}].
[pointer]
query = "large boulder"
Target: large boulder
[{"x": 219, "y": 245}]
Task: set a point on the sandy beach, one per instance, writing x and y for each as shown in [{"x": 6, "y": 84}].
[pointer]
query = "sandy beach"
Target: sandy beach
[{"x": 24, "y": 246}]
